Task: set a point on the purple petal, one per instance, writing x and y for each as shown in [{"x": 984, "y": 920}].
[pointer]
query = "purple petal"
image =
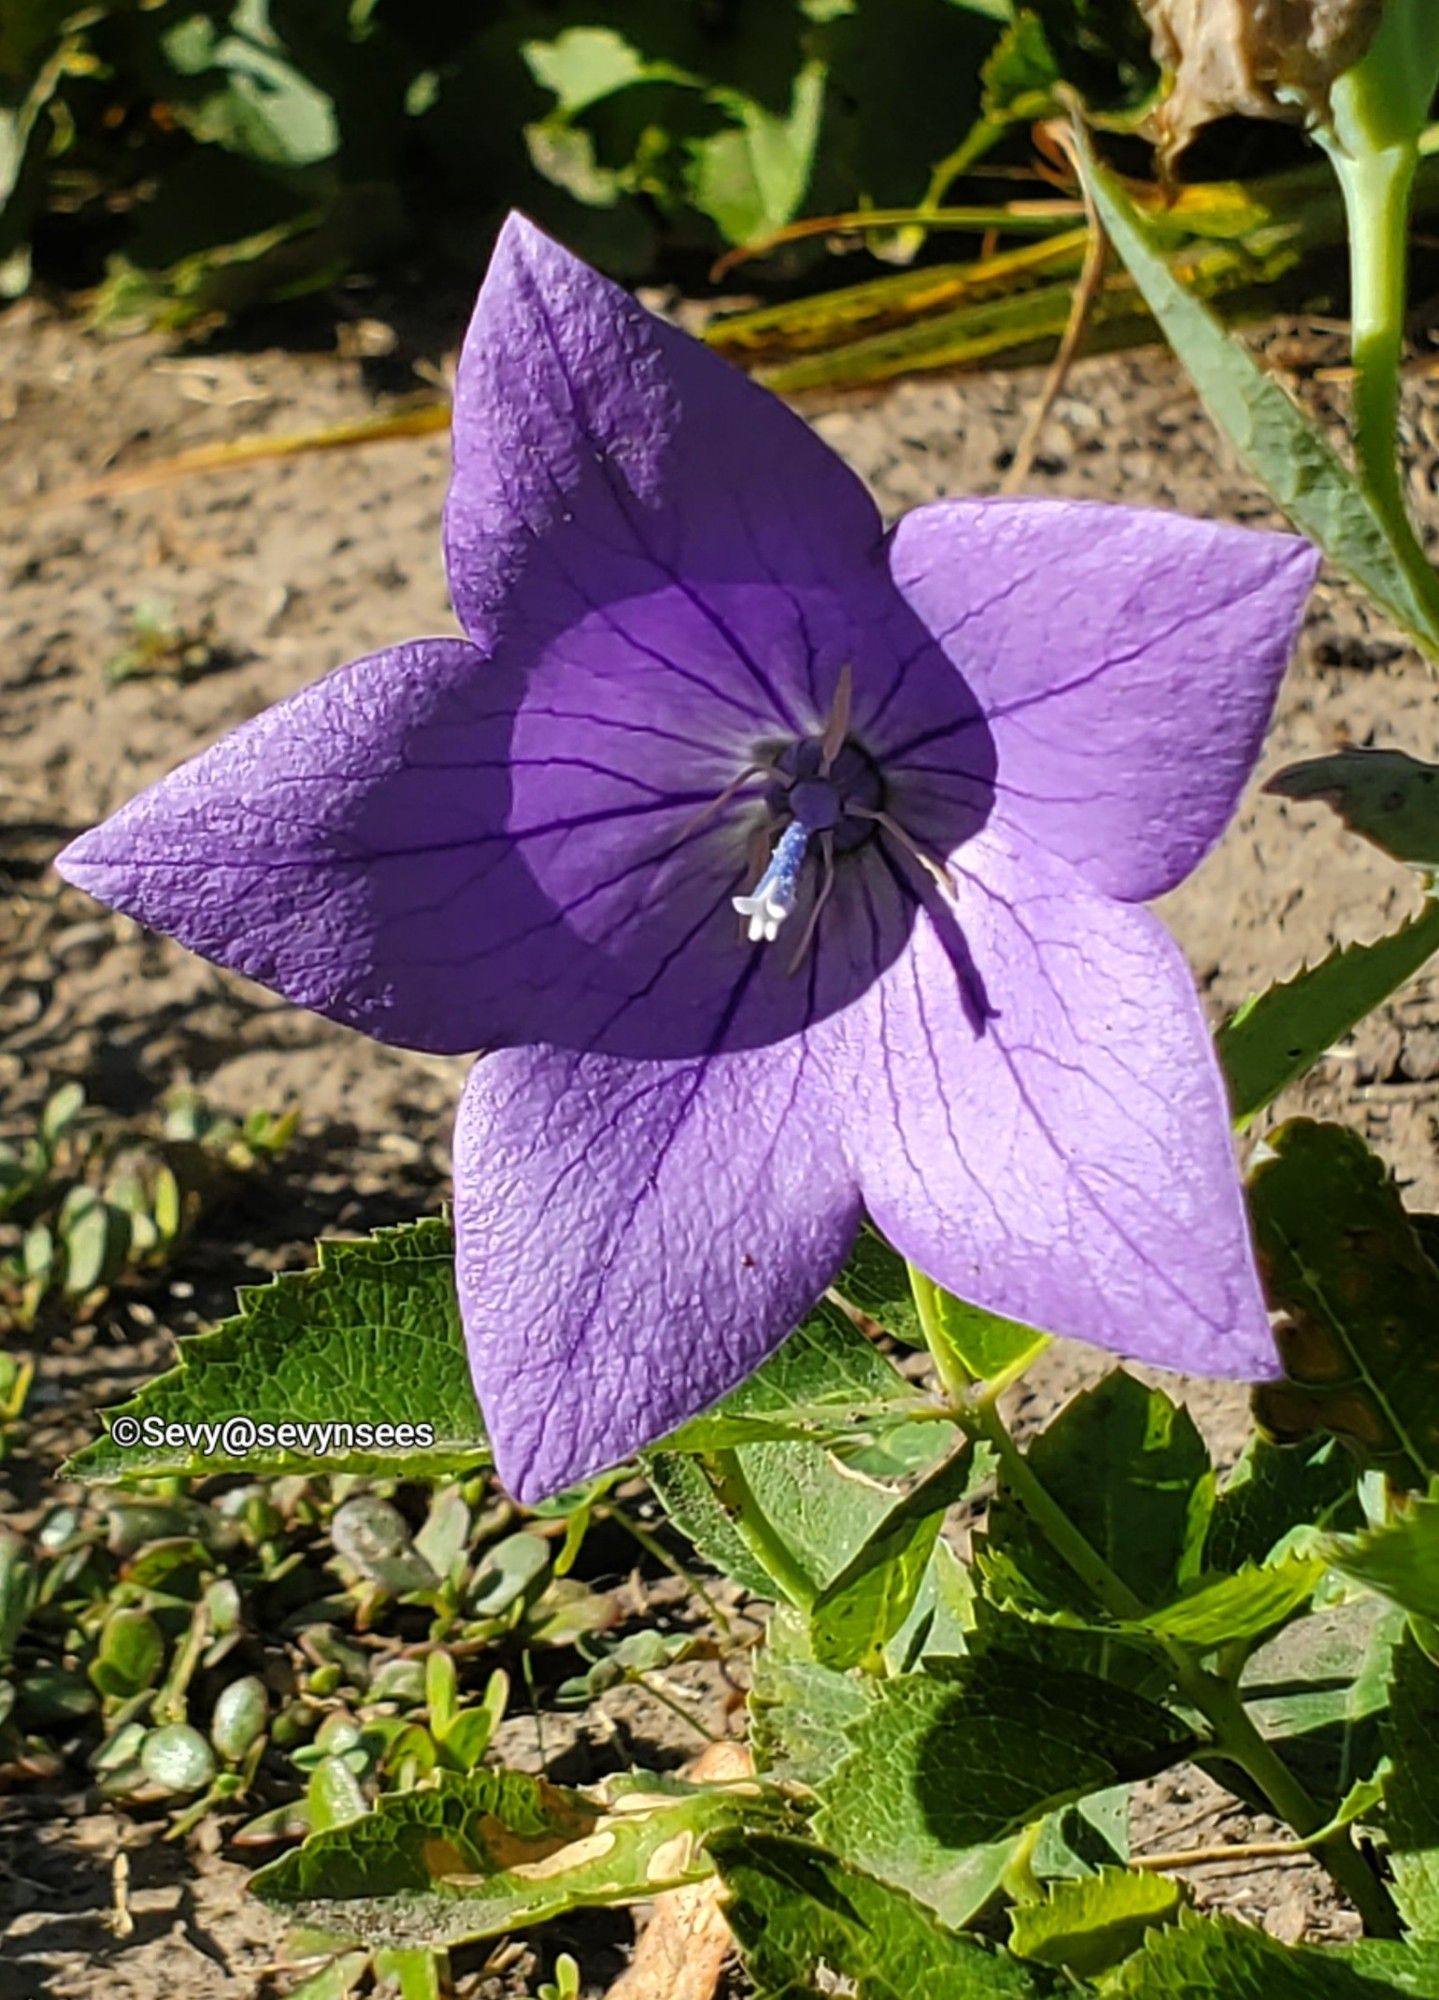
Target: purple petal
[
  {"x": 1040, "y": 1123},
  {"x": 603, "y": 457},
  {"x": 1127, "y": 660},
  {"x": 633, "y": 1240},
  {"x": 314, "y": 848}
]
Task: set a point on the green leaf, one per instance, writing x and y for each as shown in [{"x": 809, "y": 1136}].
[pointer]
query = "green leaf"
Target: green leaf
[
  {"x": 130, "y": 1655},
  {"x": 1274, "y": 1491},
  {"x": 1020, "y": 73},
  {"x": 370, "y": 1336},
  {"x": 481, "y": 1852},
  {"x": 1409, "y": 1969},
  {"x": 1411, "y": 1789},
  {"x": 246, "y": 96},
  {"x": 1399, "y": 1560},
  {"x": 750, "y": 179},
  {"x": 861, "y": 1608},
  {"x": 1319, "y": 1689},
  {"x": 1343, "y": 1260},
  {"x": 1273, "y": 437},
  {"x": 875, "y": 1282},
  {"x": 827, "y": 1380},
  {"x": 1132, "y": 1473},
  {"x": 946, "y": 1762},
  {"x": 1218, "y": 1611},
  {"x": 801, "y": 1713},
  {"x": 800, "y": 1914},
  {"x": 767, "y": 1489},
  {"x": 1085, "y": 1926},
  {"x": 687, "y": 1493},
  {"x": 1386, "y": 795},
  {"x": 1279, "y": 1034},
  {"x": 1215, "y": 1958},
  {"x": 972, "y": 1343}
]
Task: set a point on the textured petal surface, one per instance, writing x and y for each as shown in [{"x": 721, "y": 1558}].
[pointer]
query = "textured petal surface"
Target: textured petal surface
[
  {"x": 321, "y": 850},
  {"x": 1039, "y": 1121},
  {"x": 536, "y": 836},
  {"x": 633, "y": 1240},
  {"x": 1127, "y": 661}
]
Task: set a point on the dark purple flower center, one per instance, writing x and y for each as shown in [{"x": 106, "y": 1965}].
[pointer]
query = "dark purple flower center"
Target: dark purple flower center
[{"x": 839, "y": 802}]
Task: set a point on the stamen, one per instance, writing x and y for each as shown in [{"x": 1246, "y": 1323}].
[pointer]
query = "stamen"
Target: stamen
[
  {"x": 926, "y": 861},
  {"x": 707, "y": 812},
  {"x": 836, "y": 730},
  {"x": 826, "y": 885},
  {"x": 777, "y": 890}
]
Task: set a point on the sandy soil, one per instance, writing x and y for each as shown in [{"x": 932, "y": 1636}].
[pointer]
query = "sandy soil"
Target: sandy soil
[{"x": 287, "y": 568}]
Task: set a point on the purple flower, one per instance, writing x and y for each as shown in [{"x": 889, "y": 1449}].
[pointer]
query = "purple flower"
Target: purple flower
[{"x": 934, "y": 770}]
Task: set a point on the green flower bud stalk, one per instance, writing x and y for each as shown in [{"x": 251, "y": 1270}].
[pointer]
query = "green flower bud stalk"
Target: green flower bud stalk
[{"x": 1376, "y": 113}]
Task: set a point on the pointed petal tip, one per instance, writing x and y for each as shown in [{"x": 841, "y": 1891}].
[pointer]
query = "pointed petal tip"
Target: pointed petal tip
[{"x": 79, "y": 863}]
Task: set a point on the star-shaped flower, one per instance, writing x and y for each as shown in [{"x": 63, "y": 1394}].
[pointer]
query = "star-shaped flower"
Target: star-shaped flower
[{"x": 934, "y": 771}]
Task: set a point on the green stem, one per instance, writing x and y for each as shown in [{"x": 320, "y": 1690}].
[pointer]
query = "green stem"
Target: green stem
[
  {"x": 754, "y": 1527},
  {"x": 1233, "y": 1733},
  {"x": 1377, "y": 187},
  {"x": 1373, "y": 129}
]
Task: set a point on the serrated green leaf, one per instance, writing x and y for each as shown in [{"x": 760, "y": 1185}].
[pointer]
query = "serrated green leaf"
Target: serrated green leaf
[
  {"x": 1085, "y": 1926},
  {"x": 1274, "y": 1038},
  {"x": 1400, "y": 1560},
  {"x": 371, "y": 1335},
  {"x": 481, "y": 1852},
  {"x": 1389, "y": 797},
  {"x": 687, "y": 1493},
  {"x": 1273, "y": 437},
  {"x": 1217, "y": 1611},
  {"x": 1318, "y": 1690},
  {"x": 800, "y": 1914},
  {"x": 1344, "y": 1262},
  {"x": 1020, "y": 73},
  {"x": 861, "y": 1608},
  {"x": 1215, "y": 1958},
  {"x": 1131, "y": 1471},
  {"x": 1408, "y": 1969},
  {"x": 1275, "y": 1490},
  {"x": 946, "y": 1763},
  {"x": 800, "y": 1712},
  {"x": 1411, "y": 1788}
]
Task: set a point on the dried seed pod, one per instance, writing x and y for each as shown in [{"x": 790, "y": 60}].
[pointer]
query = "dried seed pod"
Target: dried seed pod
[{"x": 1257, "y": 58}]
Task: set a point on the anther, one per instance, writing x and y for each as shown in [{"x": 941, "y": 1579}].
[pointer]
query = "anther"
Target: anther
[{"x": 775, "y": 894}]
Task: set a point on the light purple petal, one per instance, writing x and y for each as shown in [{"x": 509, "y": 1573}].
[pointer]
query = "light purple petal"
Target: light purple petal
[
  {"x": 1127, "y": 661},
  {"x": 633, "y": 1240},
  {"x": 1039, "y": 1121}
]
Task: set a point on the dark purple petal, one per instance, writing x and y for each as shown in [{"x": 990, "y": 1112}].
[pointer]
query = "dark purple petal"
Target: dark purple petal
[
  {"x": 634, "y": 1238},
  {"x": 1039, "y": 1121},
  {"x": 602, "y": 456},
  {"x": 1127, "y": 661}
]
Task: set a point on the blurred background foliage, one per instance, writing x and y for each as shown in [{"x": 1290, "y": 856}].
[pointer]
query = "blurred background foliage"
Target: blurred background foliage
[{"x": 178, "y": 161}]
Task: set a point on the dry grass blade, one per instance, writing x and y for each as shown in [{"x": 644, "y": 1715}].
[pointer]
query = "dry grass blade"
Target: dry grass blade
[
  {"x": 1086, "y": 293},
  {"x": 682, "y": 1952},
  {"x": 416, "y": 421}
]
